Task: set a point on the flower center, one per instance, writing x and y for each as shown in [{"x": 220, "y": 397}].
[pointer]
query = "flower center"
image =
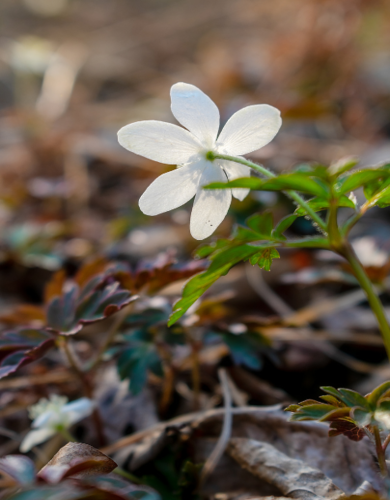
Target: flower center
[{"x": 210, "y": 155}]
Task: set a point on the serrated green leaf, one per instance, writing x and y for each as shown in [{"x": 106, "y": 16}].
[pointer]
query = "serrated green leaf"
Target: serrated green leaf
[
  {"x": 341, "y": 166},
  {"x": 261, "y": 223},
  {"x": 359, "y": 179},
  {"x": 221, "y": 263},
  {"x": 264, "y": 258},
  {"x": 283, "y": 225},
  {"x": 318, "y": 204}
]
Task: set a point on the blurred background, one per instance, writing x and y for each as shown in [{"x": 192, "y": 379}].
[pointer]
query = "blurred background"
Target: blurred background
[{"x": 72, "y": 72}]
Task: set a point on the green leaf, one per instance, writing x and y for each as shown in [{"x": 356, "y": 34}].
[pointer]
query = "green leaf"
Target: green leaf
[
  {"x": 384, "y": 405},
  {"x": 292, "y": 408},
  {"x": 261, "y": 223},
  {"x": 361, "y": 417},
  {"x": 264, "y": 258},
  {"x": 295, "y": 181},
  {"x": 283, "y": 225},
  {"x": 353, "y": 398},
  {"x": 341, "y": 166},
  {"x": 377, "y": 394},
  {"x": 314, "y": 170},
  {"x": 243, "y": 350},
  {"x": 134, "y": 363},
  {"x": 336, "y": 414},
  {"x": 312, "y": 412},
  {"x": 222, "y": 262},
  {"x": 359, "y": 179},
  {"x": 332, "y": 400},
  {"x": 308, "y": 242},
  {"x": 318, "y": 204},
  {"x": 379, "y": 189},
  {"x": 206, "y": 250}
]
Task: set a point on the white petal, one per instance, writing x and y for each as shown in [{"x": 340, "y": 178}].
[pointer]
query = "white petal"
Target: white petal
[
  {"x": 36, "y": 437},
  {"x": 77, "y": 410},
  {"x": 235, "y": 171},
  {"x": 195, "y": 111},
  {"x": 249, "y": 129},
  {"x": 45, "y": 418},
  {"x": 172, "y": 190},
  {"x": 210, "y": 206},
  {"x": 159, "y": 141}
]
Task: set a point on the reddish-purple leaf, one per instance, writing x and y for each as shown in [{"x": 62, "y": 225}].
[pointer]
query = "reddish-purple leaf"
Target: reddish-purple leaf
[{"x": 22, "y": 346}]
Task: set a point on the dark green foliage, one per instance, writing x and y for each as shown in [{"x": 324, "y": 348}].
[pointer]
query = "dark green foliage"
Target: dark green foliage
[
  {"x": 246, "y": 348},
  {"x": 140, "y": 353}
]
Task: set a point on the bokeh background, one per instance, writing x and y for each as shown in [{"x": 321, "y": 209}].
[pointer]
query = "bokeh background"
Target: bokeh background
[{"x": 72, "y": 72}]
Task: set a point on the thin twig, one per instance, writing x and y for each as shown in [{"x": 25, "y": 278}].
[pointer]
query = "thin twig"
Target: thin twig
[
  {"x": 119, "y": 320},
  {"x": 223, "y": 440},
  {"x": 87, "y": 390},
  {"x": 57, "y": 377},
  {"x": 182, "y": 420}
]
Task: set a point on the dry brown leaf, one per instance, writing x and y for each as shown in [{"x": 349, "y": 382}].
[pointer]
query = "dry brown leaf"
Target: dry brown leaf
[
  {"x": 345, "y": 462},
  {"x": 293, "y": 477},
  {"x": 77, "y": 460}
]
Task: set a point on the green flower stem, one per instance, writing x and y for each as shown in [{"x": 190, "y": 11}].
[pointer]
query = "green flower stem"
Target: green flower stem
[
  {"x": 363, "y": 209},
  {"x": 374, "y": 301},
  {"x": 380, "y": 452},
  {"x": 127, "y": 475},
  {"x": 67, "y": 435},
  {"x": 292, "y": 194},
  {"x": 335, "y": 239}
]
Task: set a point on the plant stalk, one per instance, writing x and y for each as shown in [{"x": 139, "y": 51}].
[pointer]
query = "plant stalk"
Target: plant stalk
[
  {"x": 67, "y": 436},
  {"x": 195, "y": 375},
  {"x": 376, "y": 305},
  {"x": 119, "y": 320},
  {"x": 292, "y": 194},
  {"x": 380, "y": 452},
  {"x": 87, "y": 389}
]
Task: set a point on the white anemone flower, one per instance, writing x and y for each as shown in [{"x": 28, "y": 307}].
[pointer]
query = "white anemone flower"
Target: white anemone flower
[
  {"x": 249, "y": 129},
  {"x": 383, "y": 417},
  {"x": 52, "y": 416}
]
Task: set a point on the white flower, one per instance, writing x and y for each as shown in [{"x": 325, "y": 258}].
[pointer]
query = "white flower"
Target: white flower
[
  {"x": 383, "y": 417},
  {"x": 249, "y": 129},
  {"x": 51, "y": 416}
]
